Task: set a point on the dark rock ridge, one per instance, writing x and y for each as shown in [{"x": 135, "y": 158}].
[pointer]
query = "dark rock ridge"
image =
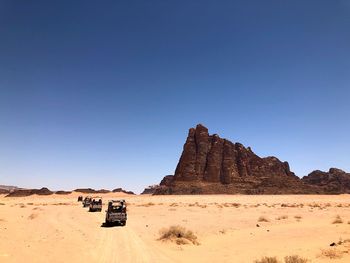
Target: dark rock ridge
[
  {"x": 4, "y": 191},
  {"x": 91, "y": 191},
  {"x": 121, "y": 190},
  {"x": 101, "y": 191},
  {"x": 334, "y": 181},
  {"x": 150, "y": 189},
  {"x": 9, "y": 188},
  {"x": 212, "y": 165},
  {"x": 28, "y": 192}
]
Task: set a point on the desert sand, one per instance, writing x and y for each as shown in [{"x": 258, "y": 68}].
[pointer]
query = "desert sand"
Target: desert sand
[{"x": 230, "y": 228}]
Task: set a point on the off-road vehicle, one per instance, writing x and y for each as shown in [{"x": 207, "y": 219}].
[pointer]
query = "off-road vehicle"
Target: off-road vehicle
[
  {"x": 87, "y": 201},
  {"x": 116, "y": 212},
  {"x": 95, "y": 204}
]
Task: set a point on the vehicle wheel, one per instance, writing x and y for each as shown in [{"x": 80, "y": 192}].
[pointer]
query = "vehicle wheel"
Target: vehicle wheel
[{"x": 123, "y": 223}]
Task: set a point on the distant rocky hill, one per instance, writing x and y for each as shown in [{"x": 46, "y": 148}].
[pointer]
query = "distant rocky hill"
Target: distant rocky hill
[
  {"x": 102, "y": 191},
  {"x": 334, "y": 181},
  {"x": 5, "y": 189},
  {"x": 91, "y": 191},
  {"x": 121, "y": 190},
  {"x": 28, "y": 192},
  {"x": 212, "y": 165}
]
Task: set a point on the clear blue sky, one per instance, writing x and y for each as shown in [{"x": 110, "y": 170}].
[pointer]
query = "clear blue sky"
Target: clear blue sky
[{"x": 102, "y": 93}]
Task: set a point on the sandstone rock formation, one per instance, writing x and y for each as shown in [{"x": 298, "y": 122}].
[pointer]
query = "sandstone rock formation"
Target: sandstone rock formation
[
  {"x": 211, "y": 165},
  {"x": 334, "y": 181},
  {"x": 4, "y": 191},
  {"x": 28, "y": 192},
  {"x": 91, "y": 191},
  {"x": 121, "y": 190},
  {"x": 149, "y": 190}
]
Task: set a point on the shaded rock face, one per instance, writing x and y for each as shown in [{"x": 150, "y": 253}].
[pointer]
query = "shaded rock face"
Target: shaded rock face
[
  {"x": 121, "y": 190},
  {"x": 85, "y": 190},
  {"x": 150, "y": 189},
  {"x": 4, "y": 191},
  {"x": 333, "y": 181},
  {"x": 28, "y": 192},
  {"x": 91, "y": 191},
  {"x": 210, "y": 164}
]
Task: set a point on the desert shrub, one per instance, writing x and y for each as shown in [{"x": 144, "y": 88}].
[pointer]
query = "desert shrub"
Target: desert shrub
[
  {"x": 263, "y": 219},
  {"x": 147, "y": 204},
  {"x": 297, "y": 217},
  {"x": 331, "y": 253},
  {"x": 2, "y": 204},
  {"x": 178, "y": 234},
  {"x": 295, "y": 259},
  {"x": 337, "y": 220},
  {"x": 267, "y": 260},
  {"x": 32, "y": 216},
  {"x": 282, "y": 217}
]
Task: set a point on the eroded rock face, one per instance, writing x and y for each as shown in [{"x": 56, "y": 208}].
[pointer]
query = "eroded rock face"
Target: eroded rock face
[
  {"x": 213, "y": 159},
  {"x": 121, "y": 190},
  {"x": 28, "y": 192},
  {"x": 150, "y": 190},
  {"x": 333, "y": 181},
  {"x": 210, "y": 164}
]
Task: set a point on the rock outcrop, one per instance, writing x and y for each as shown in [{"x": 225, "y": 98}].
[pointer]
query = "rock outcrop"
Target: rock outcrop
[
  {"x": 91, "y": 191},
  {"x": 150, "y": 190},
  {"x": 212, "y": 165},
  {"x": 334, "y": 181},
  {"x": 121, "y": 190},
  {"x": 28, "y": 192}
]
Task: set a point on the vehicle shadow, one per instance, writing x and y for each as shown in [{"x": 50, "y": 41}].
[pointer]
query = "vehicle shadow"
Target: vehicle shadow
[{"x": 110, "y": 225}]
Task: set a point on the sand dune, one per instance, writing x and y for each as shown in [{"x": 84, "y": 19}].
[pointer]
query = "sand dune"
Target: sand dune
[{"x": 229, "y": 229}]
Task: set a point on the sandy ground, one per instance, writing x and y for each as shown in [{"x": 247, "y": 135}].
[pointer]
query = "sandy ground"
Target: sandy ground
[{"x": 58, "y": 229}]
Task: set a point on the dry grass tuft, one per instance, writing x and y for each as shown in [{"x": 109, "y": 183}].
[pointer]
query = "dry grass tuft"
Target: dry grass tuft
[
  {"x": 147, "y": 204},
  {"x": 263, "y": 219},
  {"x": 337, "y": 220},
  {"x": 295, "y": 259},
  {"x": 32, "y": 216},
  {"x": 267, "y": 260},
  {"x": 331, "y": 253},
  {"x": 179, "y": 235},
  {"x": 61, "y": 204},
  {"x": 2, "y": 204},
  {"x": 282, "y": 217},
  {"x": 298, "y": 217}
]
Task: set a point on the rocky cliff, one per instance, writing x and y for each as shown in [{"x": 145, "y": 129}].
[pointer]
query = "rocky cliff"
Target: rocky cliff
[
  {"x": 333, "y": 181},
  {"x": 211, "y": 165}
]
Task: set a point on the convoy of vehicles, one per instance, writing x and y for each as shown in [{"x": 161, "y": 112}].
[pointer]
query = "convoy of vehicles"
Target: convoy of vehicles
[{"x": 115, "y": 213}]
